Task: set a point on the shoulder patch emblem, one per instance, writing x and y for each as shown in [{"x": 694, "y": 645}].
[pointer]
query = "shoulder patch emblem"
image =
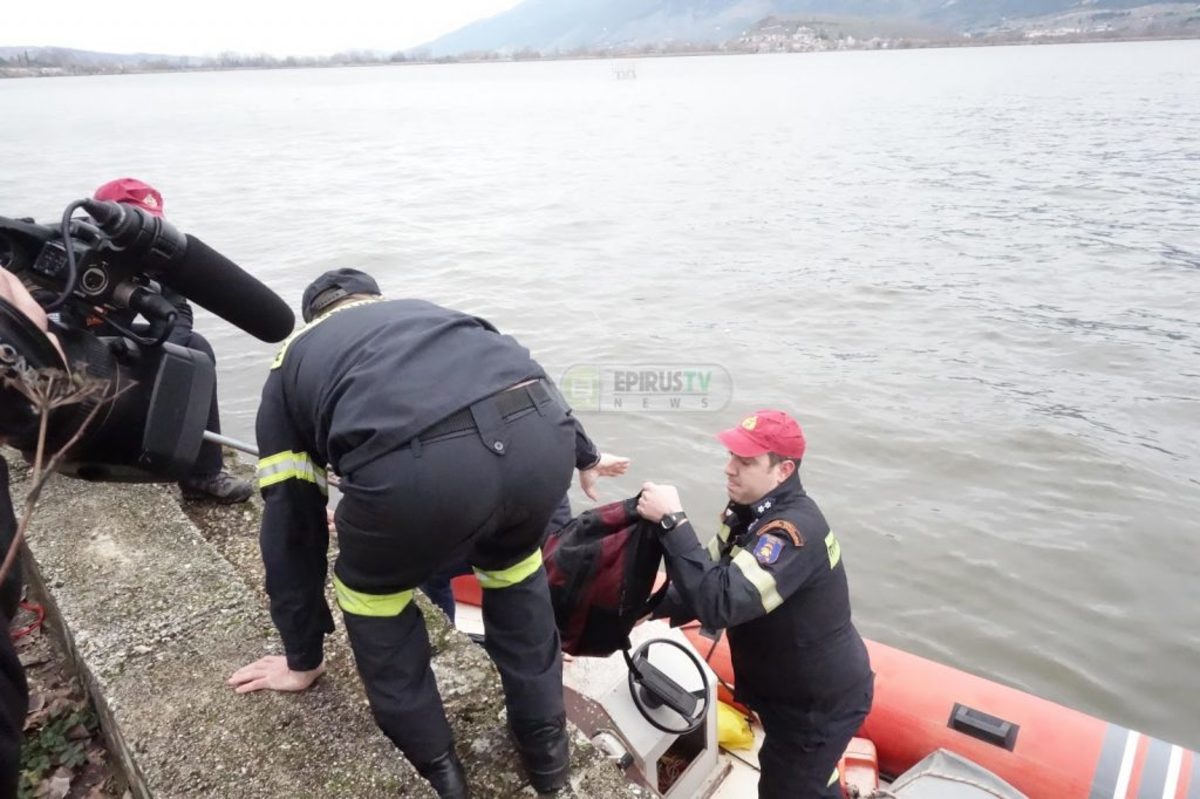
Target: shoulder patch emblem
[
  {"x": 767, "y": 549},
  {"x": 786, "y": 528}
]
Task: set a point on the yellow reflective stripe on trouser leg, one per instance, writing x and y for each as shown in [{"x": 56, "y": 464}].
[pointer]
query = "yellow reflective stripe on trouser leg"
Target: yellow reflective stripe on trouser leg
[
  {"x": 745, "y": 562},
  {"x": 290, "y": 466},
  {"x": 834, "y": 778},
  {"x": 360, "y": 604},
  {"x": 505, "y": 578}
]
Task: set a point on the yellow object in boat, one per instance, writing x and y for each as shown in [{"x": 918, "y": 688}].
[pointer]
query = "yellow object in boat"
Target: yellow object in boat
[{"x": 733, "y": 731}]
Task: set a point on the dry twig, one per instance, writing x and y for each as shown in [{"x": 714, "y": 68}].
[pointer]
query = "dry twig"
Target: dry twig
[{"x": 47, "y": 390}]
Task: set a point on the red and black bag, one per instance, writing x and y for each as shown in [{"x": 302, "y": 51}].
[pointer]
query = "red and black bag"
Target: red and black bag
[{"x": 602, "y": 568}]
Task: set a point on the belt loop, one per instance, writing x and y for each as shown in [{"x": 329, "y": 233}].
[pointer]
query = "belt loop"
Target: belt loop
[
  {"x": 415, "y": 446},
  {"x": 490, "y": 425}
]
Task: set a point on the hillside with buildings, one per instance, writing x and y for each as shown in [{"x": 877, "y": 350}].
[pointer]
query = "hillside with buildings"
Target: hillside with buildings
[
  {"x": 605, "y": 28},
  {"x": 621, "y": 26}
]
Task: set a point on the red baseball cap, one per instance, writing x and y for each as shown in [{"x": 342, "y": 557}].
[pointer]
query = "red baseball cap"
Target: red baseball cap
[
  {"x": 765, "y": 431},
  {"x": 132, "y": 191}
]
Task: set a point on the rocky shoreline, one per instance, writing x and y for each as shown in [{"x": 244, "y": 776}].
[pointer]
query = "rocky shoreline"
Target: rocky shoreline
[{"x": 160, "y": 600}]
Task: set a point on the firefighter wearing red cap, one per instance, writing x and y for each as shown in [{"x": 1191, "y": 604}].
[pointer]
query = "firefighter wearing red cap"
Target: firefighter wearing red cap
[{"x": 774, "y": 577}]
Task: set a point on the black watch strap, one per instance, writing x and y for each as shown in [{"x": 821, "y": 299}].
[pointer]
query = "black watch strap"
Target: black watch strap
[{"x": 672, "y": 520}]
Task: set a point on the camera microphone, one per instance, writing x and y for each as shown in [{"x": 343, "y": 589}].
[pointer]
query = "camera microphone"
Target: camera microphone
[
  {"x": 195, "y": 270},
  {"x": 221, "y": 286}
]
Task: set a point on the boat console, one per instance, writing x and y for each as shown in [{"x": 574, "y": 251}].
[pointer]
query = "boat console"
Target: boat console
[{"x": 655, "y": 734}]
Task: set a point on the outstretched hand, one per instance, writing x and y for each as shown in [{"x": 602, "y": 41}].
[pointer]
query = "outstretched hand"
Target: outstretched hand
[
  {"x": 272, "y": 672},
  {"x": 611, "y": 465},
  {"x": 607, "y": 466}
]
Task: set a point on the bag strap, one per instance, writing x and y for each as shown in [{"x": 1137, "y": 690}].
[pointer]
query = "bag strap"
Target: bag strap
[{"x": 657, "y": 597}]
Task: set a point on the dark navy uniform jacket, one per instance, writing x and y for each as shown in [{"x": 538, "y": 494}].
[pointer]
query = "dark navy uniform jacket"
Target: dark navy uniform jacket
[
  {"x": 351, "y": 386},
  {"x": 14, "y": 690},
  {"x": 774, "y": 577}
]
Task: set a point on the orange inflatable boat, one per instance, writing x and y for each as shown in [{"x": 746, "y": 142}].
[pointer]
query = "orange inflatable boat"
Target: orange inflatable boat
[{"x": 1043, "y": 749}]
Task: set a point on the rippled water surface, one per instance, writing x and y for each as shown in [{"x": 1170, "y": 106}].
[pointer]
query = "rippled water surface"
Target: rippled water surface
[{"x": 974, "y": 275}]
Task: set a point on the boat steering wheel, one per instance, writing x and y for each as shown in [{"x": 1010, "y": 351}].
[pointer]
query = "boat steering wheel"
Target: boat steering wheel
[{"x": 651, "y": 689}]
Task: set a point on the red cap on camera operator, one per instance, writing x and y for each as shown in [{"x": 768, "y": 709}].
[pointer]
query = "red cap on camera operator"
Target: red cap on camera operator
[
  {"x": 128, "y": 191},
  {"x": 132, "y": 191}
]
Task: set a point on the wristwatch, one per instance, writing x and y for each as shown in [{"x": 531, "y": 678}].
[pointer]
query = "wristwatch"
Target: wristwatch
[{"x": 670, "y": 520}]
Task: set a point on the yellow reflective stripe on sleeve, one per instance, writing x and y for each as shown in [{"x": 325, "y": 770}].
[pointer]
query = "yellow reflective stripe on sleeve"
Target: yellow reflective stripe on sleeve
[
  {"x": 834, "y": 778},
  {"x": 288, "y": 466},
  {"x": 357, "y": 603},
  {"x": 834, "y": 549},
  {"x": 505, "y": 578},
  {"x": 745, "y": 562},
  {"x": 288, "y": 341},
  {"x": 718, "y": 541}
]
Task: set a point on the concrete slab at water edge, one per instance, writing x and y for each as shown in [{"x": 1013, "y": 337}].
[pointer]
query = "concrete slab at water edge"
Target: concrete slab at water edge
[{"x": 157, "y": 619}]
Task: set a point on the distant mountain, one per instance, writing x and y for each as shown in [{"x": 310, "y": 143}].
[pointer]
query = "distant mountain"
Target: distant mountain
[{"x": 565, "y": 25}]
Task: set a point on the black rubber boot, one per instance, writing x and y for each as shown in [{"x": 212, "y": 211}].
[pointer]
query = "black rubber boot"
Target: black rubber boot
[
  {"x": 544, "y": 752},
  {"x": 445, "y": 773}
]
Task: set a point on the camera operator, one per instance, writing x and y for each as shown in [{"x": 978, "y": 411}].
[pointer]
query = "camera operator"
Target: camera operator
[
  {"x": 208, "y": 479},
  {"x": 162, "y": 396},
  {"x": 14, "y": 691}
]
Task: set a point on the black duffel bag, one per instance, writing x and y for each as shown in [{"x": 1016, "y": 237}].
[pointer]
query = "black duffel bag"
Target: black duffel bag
[{"x": 602, "y": 567}]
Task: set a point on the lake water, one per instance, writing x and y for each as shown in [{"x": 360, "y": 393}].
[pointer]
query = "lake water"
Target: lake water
[{"x": 974, "y": 276}]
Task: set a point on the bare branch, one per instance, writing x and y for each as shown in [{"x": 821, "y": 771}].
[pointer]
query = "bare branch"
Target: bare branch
[{"x": 48, "y": 389}]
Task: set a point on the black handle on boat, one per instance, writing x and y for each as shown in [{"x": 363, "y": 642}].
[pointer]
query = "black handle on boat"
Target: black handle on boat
[{"x": 984, "y": 726}]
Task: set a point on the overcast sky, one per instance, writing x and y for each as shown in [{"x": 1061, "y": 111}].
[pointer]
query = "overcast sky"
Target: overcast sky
[{"x": 208, "y": 27}]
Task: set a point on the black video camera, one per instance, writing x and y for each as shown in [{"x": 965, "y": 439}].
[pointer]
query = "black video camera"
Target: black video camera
[{"x": 87, "y": 274}]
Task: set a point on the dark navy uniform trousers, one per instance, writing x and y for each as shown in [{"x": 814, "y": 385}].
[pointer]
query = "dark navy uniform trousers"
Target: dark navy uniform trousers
[
  {"x": 440, "y": 500},
  {"x": 800, "y": 753}
]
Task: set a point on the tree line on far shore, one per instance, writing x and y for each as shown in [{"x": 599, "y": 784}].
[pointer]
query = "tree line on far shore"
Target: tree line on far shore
[{"x": 55, "y": 61}]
